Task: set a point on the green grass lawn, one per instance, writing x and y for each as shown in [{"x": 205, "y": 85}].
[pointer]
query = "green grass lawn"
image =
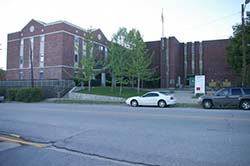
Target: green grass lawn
[{"x": 107, "y": 91}]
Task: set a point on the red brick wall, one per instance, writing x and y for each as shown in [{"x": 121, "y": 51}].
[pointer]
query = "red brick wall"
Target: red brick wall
[
  {"x": 197, "y": 58},
  {"x": 174, "y": 63},
  {"x": 53, "y": 49},
  {"x": 13, "y": 50},
  {"x": 154, "y": 48},
  {"x": 215, "y": 66},
  {"x": 189, "y": 58}
]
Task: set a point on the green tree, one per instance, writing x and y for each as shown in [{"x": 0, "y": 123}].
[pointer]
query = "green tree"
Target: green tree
[
  {"x": 139, "y": 60},
  {"x": 88, "y": 60},
  {"x": 118, "y": 61},
  {"x": 2, "y": 74},
  {"x": 234, "y": 50}
]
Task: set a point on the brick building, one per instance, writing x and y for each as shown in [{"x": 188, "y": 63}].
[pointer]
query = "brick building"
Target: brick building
[
  {"x": 56, "y": 49},
  {"x": 177, "y": 63}
]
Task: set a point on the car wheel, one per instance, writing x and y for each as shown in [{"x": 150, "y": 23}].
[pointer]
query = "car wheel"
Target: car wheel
[
  {"x": 134, "y": 103},
  {"x": 245, "y": 104},
  {"x": 207, "y": 104},
  {"x": 162, "y": 103}
]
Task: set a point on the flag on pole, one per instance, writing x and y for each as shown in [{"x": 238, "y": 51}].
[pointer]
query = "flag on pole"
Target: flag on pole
[
  {"x": 162, "y": 17},
  {"x": 162, "y": 22}
]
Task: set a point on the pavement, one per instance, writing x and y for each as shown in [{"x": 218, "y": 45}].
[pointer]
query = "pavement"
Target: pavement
[
  {"x": 92, "y": 135},
  {"x": 182, "y": 96},
  {"x": 185, "y": 96}
]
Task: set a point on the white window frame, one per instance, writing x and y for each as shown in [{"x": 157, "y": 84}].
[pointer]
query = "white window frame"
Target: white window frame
[
  {"x": 31, "y": 40},
  {"x": 76, "y": 51},
  {"x": 21, "y": 54},
  {"x": 42, "y": 48}
]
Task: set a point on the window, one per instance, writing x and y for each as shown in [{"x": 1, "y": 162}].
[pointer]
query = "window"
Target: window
[
  {"x": 76, "y": 51},
  {"x": 151, "y": 95},
  {"x": 76, "y": 74},
  {"x": 42, "y": 40},
  {"x": 246, "y": 91},
  {"x": 83, "y": 48},
  {"x": 76, "y": 58},
  {"x": 223, "y": 92},
  {"x": 20, "y": 75},
  {"x": 41, "y": 75},
  {"x": 21, "y": 54},
  {"x": 105, "y": 53},
  {"x": 101, "y": 48},
  {"x": 236, "y": 92},
  {"x": 31, "y": 51}
]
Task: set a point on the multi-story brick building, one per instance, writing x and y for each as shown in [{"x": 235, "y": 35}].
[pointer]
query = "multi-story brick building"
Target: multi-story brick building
[{"x": 57, "y": 49}]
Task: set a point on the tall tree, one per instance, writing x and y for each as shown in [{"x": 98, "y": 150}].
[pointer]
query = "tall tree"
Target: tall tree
[
  {"x": 234, "y": 50},
  {"x": 139, "y": 60},
  {"x": 118, "y": 62},
  {"x": 88, "y": 60}
]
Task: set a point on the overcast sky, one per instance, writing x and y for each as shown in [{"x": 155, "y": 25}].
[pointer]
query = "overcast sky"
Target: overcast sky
[{"x": 187, "y": 20}]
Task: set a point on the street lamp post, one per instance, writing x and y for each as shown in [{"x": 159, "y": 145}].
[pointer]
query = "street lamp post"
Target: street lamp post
[{"x": 243, "y": 6}]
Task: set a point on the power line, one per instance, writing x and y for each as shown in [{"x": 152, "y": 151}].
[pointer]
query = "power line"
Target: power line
[{"x": 212, "y": 22}]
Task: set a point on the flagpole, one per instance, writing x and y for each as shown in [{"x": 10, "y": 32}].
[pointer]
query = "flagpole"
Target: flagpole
[{"x": 162, "y": 21}]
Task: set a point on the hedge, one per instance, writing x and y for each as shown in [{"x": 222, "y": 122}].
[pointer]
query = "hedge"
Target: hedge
[
  {"x": 11, "y": 94},
  {"x": 3, "y": 92},
  {"x": 25, "y": 94}
]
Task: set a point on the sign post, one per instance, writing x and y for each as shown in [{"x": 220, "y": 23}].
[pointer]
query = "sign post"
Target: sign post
[{"x": 199, "y": 87}]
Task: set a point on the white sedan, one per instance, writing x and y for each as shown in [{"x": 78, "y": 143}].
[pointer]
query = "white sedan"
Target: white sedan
[{"x": 152, "y": 99}]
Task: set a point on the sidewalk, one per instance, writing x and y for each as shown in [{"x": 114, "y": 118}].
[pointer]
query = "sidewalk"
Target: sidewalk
[{"x": 182, "y": 96}]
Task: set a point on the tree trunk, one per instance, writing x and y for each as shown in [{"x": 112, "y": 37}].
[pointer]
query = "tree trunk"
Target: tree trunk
[
  {"x": 132, "y": 83},
  {"x": 120, "y": 89},
  {"x": 138, "y": 84},
  {"x": 113, "y": 81},
  {"x": 89, "y": 84}
]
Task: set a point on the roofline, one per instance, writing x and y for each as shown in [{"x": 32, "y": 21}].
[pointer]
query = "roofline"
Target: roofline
[
  {"x": 65, "y": 22},
  {"x": 152, "y": 41},
  {"x": 215, "y": 40}
]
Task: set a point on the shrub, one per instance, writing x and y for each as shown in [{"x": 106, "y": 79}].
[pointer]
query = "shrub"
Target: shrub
[
  {"x": 78, "y": 81},
  {"x": 11, "y": 94},
  {"x": 3, "y": 92},
  {"x": 29, "y": 95}
]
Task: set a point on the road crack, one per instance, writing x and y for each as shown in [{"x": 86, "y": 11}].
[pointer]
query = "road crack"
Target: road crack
[{"x": 97, "y": 156}]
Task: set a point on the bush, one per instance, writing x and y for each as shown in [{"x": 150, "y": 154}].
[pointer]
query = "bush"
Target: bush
[
  {"x": 3, "y": 92},
  {"x": 25, "y": 94},
  {"x": 29, "y": 95},
  {"x": 11, "y": 94},
  {"x": 78, "y": 81}
]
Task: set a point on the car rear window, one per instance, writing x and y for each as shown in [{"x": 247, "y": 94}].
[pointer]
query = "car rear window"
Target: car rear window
[{"x": 246, "y": 91}]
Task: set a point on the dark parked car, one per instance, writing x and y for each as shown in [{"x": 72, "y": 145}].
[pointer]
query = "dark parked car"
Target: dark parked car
[
  {"x": 233, "y": 96},
  {"x": 1, "y": 99}
]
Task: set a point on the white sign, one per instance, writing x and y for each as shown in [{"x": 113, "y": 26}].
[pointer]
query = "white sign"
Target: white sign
[{"x": 199, "y": 86}]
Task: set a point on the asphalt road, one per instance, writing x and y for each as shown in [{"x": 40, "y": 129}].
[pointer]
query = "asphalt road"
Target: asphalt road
[{"x": 94, "y": 135}]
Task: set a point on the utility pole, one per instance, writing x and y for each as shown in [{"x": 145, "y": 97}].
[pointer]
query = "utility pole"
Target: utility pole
[
  {"x": 243, "y": 6},
  {"x": 243, "y": 46}
]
